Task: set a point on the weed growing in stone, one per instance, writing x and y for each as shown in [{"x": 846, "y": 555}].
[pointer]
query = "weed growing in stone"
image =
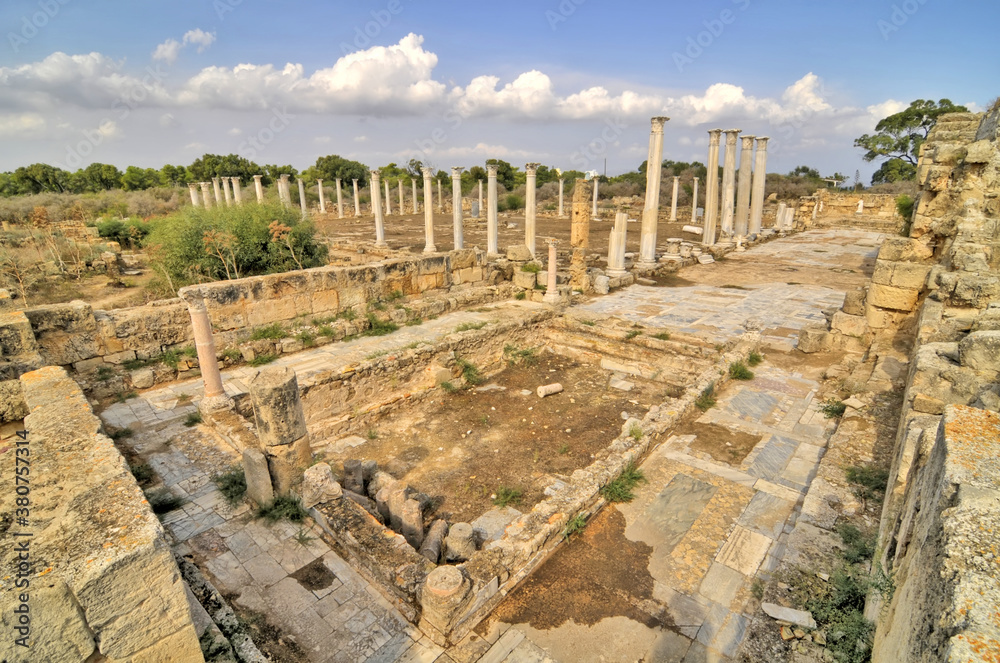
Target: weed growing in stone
[
  {"x": 706, "y": 399},
  {"x": 869, "y": 481},
  {"x": 283, "y": 508},
  {"x": 574, "y": 526},
  {"x": 326, "y": 331},
  {"x": 303, "y": 538},
  {"x": 520, "y": 296},
  {"x": 506, "y": 496},
  {"x": 372, "y": 434},
  {"x": 272, "y": 332},
  {"x": 183, "y": 399},
  {"x": 105, "y": 373},
  {"x": 347, "y": 314},
  {"x": 193, "y": 419},
  {"x": 635, "y": 432},
  {"x": 739, "y": 371},
  {"x": 662, "y": 336},
  {"x": 755, "y": 358},
  {"x": 632, "y": 334},
  {"x": 470, "y": 372},
  {"x": 564, "y": 449},
  {"x": 232, "y": 355},
  {"x": 833, "y": 408},
  {"x": 307, "y": 338},
  {"x": 162, "y": 501},
  {"x": 589, "y": 323},
  {"x": 515, "y": 355},
  {"x": 449, "y": 387},
  {"x": 143, "y": 473},
  {"x": 858, "y": 545},
  {"x": 377, "y": 327},
  {"x": 620, "y": 489},
  {"x": 232, "y": 484},
  {"x": 531, "y": 267},
  {"x": 395, "y": 295},
  {"x": 469, "y": 326},
  {"x": 261, "y": 360},
  {"x": 127, "y": 395},
  {"x": 415, "y": 322}
]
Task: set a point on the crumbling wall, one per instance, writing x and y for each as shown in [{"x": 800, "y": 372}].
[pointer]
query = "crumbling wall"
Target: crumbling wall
[{"x": 89, "y": 562}]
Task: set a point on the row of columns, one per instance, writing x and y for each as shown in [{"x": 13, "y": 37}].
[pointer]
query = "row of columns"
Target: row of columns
[{"x": 742, "y": 204}]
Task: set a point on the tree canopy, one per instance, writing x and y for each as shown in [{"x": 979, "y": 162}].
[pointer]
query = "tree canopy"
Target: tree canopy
[{"x": 333, "y": 166}]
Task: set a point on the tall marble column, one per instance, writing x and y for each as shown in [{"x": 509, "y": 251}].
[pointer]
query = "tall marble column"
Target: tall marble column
[
  {"x": 193, "y": 190},
  {"x": 480, "y": 197},
  {"x": 428, "y": 213},
  {"x": 416, "y": 205},
  {"x": 340, "y": 200},
  {"x": 673, "y": 200},
  {"x": 492, "y": 229},
  {"x": 530, "y": 207},
  {"x": 237, "y": 191},
  {"x": 694, "y": 204},
  {"x": 616, "y": 245},
  {"x": 440, "y": 198},
  {"x": 759, "y": 182},
  {"x": 215, "y": 397},
  {"x": 258, "y": 187},
  {"x": 742, "y": 222},
  {"x": 284, "y": 192},
  {"x": 205, "y": 199},
  {"x": 729, "y": 181},
  {"x": 357, "y": 201},
  {"x": 322, "y": 197},
  {"x": 402, "y": 210},
  {"x": 712, "y": 188},
  {"x": 562, "y": 185},
  {"x": 651, "y": 211},
  {"x": 597, "y": 184},
  {"x": 388, "y": 200},
  {"x": 225, "y": 191},
  {"x": 302, "y": 198},
  {"x": 456, "y": 206},
  {"x": 552, "y": 292},
  {"x": 376, "y": 189},
  {"x": 218, "y": 192}
]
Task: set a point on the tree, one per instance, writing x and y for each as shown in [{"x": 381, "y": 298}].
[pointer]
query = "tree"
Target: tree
[
  {"x": 175, "y": 175},
  {"x": 98, "y": 177},
  {"x": 39, "y": 177},
  {"x": 229, "y": 165},
  {"x": 138, "y": 179},
  {"x": 806, "y": 172},
  {"x": 505, "y": 173},
  {"x": 333, "y": 166},
  {"x": 894, "y": 170},
  {"x": 900, "y": 135}
]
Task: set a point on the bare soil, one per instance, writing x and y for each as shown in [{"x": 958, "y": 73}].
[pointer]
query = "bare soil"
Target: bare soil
[
  {"x": 461, "y": 448},
  {"x": 722, "y": 444}
]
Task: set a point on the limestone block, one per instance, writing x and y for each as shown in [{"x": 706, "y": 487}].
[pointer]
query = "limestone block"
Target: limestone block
[
  {"x": 291, "y": 345},
  {"x": 524, "y": 280},
  {"x": 12, "y": 405},
  {"x": 937, "y": 177},
  {"x": 379, "y": 481},
  {"x": 318, "y": 485},
  {"x": 797, "y": 617},
  {"x": 909, "y": 275},
  {"x": 602, "y": 285},
  {"x": 542, "y": 279},
  {"x": 354, "y": 476},
  {"x": 258, "y": 477},
  {"x": 266, "y": 312},
  {"x": 903, "y": 249},
  {"x": 893, "y": 298},
  {"x": 59, "y": 629},
  {"x": 65, "y": 333},
  {"x": 980, "y": 351},
  {"x": 142, "y": 378},
  {"x": 325, "y": 301},
  {"x": 854, "y": 302},
  {"x": 118, "y": 358},
  {"x": 519, "y": 253},
  {"x": 460, "y": 543},
  {"x": 851, "y": 325},
  {"x": 463, "y": 259},
  {"x": 813, "y": 339},
  {"x": 286, "y": 464},
  {"x": 928, "y": 404},
  {"x": 982, "y": 151},
  {"x": 16, "y": 335},
  {"x": 883, "y": 272},
  {"x": 277, "y": 406}
]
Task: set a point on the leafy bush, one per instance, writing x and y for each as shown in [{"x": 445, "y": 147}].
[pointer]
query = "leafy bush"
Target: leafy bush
[
  {"x": 833, "y": 408},
  {"x": 739, "y": 371},
  {"x": 128, "y": 233},
  {"x": 620, "y": 490},
  {"x": 193, "y": 419},
  {"x": 904, "y": 205},
  {"x": 755, "y": 358},
  {"x": 470, "y": 372},
  {"x": 859, "y": 546},
  {"x": 870, "y": 481}
]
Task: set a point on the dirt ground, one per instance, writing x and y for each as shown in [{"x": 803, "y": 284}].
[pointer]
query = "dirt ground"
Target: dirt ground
[{"x": 460, "y": 449}]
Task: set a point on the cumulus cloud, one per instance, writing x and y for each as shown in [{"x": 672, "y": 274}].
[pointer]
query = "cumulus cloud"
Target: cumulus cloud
[
  {"x": 169, "y": 50},
  {"x": 200, "y": 38},
  {"x": 22, "y": 125}
]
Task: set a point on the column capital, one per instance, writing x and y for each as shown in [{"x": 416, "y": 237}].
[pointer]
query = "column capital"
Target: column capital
[
  {"x": 747, "y": 142},
  {"x": 657, "y": 124},
  {"x": 284, "y": 178},
  {"x": 258, "y": 177},
  {"x": 456, "y": 171},
  {"x": 492, "y": 170},
  {"x": 713, "y": 136},
  {"x": 375, "y": 176},
  {"x": 552, "y": 241},
  {"x": 426, "y": 172},
  {"x": 531, "y": 168},
  {"x": 355, "y": 181},
  {"x": 320, "y": 182},
  {"x": 676, "y": 177},
  {"x": 762, "y": 142},
  {"x": 192, "y": 185},
  {"x": 731, "y": 136},
  {"x": 696, "y": 178}
]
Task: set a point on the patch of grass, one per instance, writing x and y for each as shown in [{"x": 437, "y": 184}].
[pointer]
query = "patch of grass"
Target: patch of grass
[
  {"x": 574, "y": 526},
  {"x": 126, "y": 395},
  {"x": 395, "y": 295},
  {"x": 635, "y": 432},
  {"x": 506, "y": 496},
  {"x": 757, "y": 589},
  {"x": 589, "y": 323},
  {"x": 620, "y": 489},
  {"x": 190, "y": 352},
  {"x": 470, "y": 372},
  {"x": 869, "y": 481},
  {"x": 183, "y": 399},
  {"x": 376, "y": 306},
  {"x": 306, "y": 337},
  {"x": 171, "y": 358},
  {"x": 520, "y": 296},
  {"x": 468, "y": 326},
  {"x": 859, "y": 546},
  {"x": 326, "y": 330},
  {"x": 232, "y": 354},
  {"x": 662, "y": 336},
  {"x": 755, "y": 358},
  {"x": 193, "y": 419},
  {"x": 564, "y": 449},
  {"x": 539, "y": 286},
  {"x": 833, "y": 408},
  {"x": 105, "y": 373},
  {"x": 232, "y": 484},
  {"x": 449, "y": 387},
  {"x": 142, "y": 472},
  {"x": 163, "y": 501},
  {"x": 739, "y": 371},
  {"x": 120, "y": 433},
  {"x": 516, "y": 355},
  {"x": 531, "y": 267},
  {"x": 377, "y": 327},
  {"x": 283, "y": 508},
  {"x": 372, "y": 434},
  {"x": 377, "y": 354},
  {"x": 414, "y": 322},
  {"x": 347, "y": 314},
  {"x": 272, "y": 332},
  {"x": 261, "y": 360},
  {"x": 706, "y": 399},
  {"x": 632, "y": 334},
  {"x": 303, "y": 538},
  {"x": 136, "y": 364}
]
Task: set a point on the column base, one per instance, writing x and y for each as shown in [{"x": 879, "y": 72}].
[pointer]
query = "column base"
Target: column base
[
  {"x": 646, "y": 264},
  {"x": 211, "y": 404},
  {"x": 381, "y": 245},
  {"x": 616, "y": 273},
  {"x": 430, "y": 249},
  {"x": 551, "y": 298}
]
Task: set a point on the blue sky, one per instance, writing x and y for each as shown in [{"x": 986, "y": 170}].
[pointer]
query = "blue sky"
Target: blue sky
[{"x": 569, "y": 83}]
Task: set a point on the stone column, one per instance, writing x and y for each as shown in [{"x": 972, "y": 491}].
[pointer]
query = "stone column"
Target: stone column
[
  {"x": 215, "y": 394},
  {"x": 193, "y": 190},
  {"x": 376, "y": 188},
  {"x": 456, "y": 206},
  {"x": 440, "y": 198},
  {"x": 357, "y": 201},
  {"x": 530, "y": 208},
  {"x": 206, "y": 200},
  {"x": 340, "y": 200},
  {"x": 402, "y": 209},
  {"x": 322, "y": 197},
  {"x": 712, "y": 188},
  {"x": 694, "y": 203},
  {"x": 651, "y": 211},
  {"x": 759, "y": 182},
  {"x": 428, "y": 213},
  {"x": 218, "y": 192},
  {"x": 237, "y": 191},
  {"x": 388, "y": 200},
  {"x": 552, "y": 292},
  {"x": 673, "y": 201},
  {"x": 258, "y": 188},
  {"x": 580, "y": 223},
  {"x": 597, "y": 185},
  {"x": 281, "y": 425},
  {"x": 779, "y": 217},
  {"x": 492, "y": 229},
  {"x": 562, "y": 183},
  {"x": 302, "y": 198},
  {"x": 416, "y": 205},
  {"x": 284, "y": 192},
  {"x": 616, "y": 245},
  {"x": 742, "y": 223},
  {"x": 225, "y": 191},
  {"x": 729, "y": 181},
  {"x": 480, "y": 197}
]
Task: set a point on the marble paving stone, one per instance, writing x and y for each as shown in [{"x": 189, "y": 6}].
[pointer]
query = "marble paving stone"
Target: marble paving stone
[
  {"x": 744, "y": 550},
  {"x": 772, "y": 458},
  {"x": 264, "y": 570},
  {"x": 766, "y": 514},
  {"x": 229, "y": 573},
  {"x": 669, "y": 517},
  {"x": 721, "y": 584},
  {"x": 687, "y": 613}
]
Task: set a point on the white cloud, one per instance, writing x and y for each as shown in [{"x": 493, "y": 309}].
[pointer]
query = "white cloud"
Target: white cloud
[
  {"x": 235, "y": 131},
  {"x": 200, "y": 37},
  {"x": 167, "y": 51},
  {"x": 360, "y": 139},
  {"x": 486, "y": 150},
  {"x": 196, "y": 147},
  {"x": 168, "y": 121},
  {"x": 109, "y": 129},
  {"x": 22, "y": 125}
]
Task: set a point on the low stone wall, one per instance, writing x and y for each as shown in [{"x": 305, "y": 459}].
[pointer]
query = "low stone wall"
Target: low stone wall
[
  {"x": 840, "y": 204},
  {"x": 96, "y": 563}
]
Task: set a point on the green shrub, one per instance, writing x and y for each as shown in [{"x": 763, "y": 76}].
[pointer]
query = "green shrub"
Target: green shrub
[
  {"x": 506, "y": 496},
  {"x": 283, "y": 508},
  {"x": 706, "y": 399},
  {"x": 515, "y": 355},
  {"x": 635, "y": 432},
  {"x": 327, "y": 331},
  {"x": 120, "y": 433},
  {"x": 261, "y": 360},
  {"x": 575, "y": 525},
  {"x": 415, "y": 322},
  {"x": 232, "y": 354},
  {"x": 232, "y": 484},
  {"x": 142, "y": 472},
  {"x": 870, "y": 482},
  {"x": 469, "y": 326},
  {"x": 620, "y": 489},
  {"x": 449, "y": 387},
  {"x": 193, "y": 419},
  {"x": 904, "y": 205},
  {"x": 859, "y": 546},
  {"x": 378, "y": 327},
  {"x": 470, "y": 372},
  {"x": 662, "y": 336},
  {"x": 833, "y": 408},
  {"x": 632, "y": 334},
  {"x": 739, "y": 371},
  {"x": 394, "y": 295},
  {"x": 271, "y": 332},
  {"x": 755, "y": 358},
  {"x": 307, "y": 338},
  {"x": 520, "y": 296},
  {"x": 531, "y": 267},
  {"x": 510, "y": 202}
]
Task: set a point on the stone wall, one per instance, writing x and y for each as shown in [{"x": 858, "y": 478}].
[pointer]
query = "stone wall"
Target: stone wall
[{"x": 96, "y": 564}]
